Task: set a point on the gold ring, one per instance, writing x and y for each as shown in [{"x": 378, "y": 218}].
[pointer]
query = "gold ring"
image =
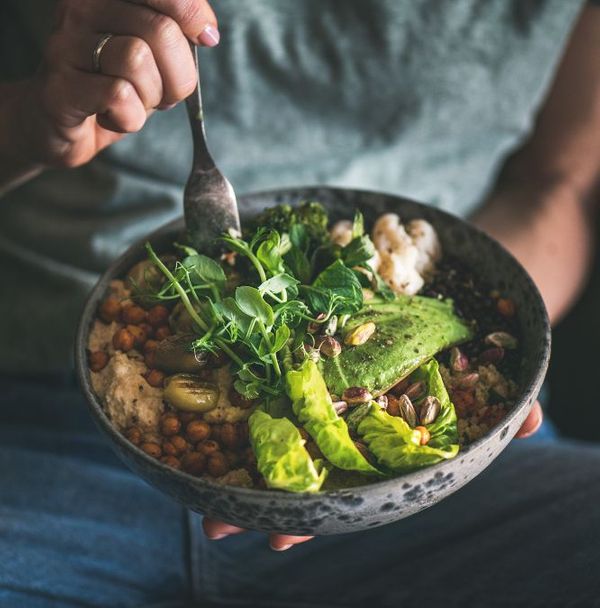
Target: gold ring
[{"x": 98, "y": 52}]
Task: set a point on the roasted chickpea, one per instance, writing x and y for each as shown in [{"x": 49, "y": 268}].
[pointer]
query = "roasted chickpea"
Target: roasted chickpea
[
  {"x": 208, "y": 447},
  {"x": 150, "y": 346},
  {"x": 180, "y": 444},
  {"x": 155, "y": 378},
  {"x": 139, "y": 335},
  {"x": 171, "y": 461},
  {"x": 175, "y": 445},
  {"x": 110, "y": 309},
  {"x": 152, "y": 449},
  {"x": 133, "y": 314},
  {"x": 218, "y": 465},
  {"x": 158, "y": 315},
  {"x": 193, "y": 462},
  {"x": 134, "y": 435},
  {"x": 229, "y": 435},
  {"x": 123, "y": 340},
  {"x": 98, "y": 360},
  {"x": 170, "y": 424},
  {"x": 162, "y": 332},
  {"x": 197, "y": 430},
  {"x": 148, "y": 329}
]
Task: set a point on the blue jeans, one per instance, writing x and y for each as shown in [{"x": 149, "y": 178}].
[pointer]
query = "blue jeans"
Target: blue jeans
[{"x": 77, "y": 529}]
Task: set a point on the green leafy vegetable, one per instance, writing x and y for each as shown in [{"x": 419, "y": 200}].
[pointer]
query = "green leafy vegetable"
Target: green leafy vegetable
[
  {"x": 444, "y": 430},
  {"x": 409, "y": 331},
  {"x": 313, "y": 407},
  {"x": 281, "y": 456},
  {"x": 251, "y": 302},
  {"x": 335, "y": 291},
  {"x": 396, "y": 446}
]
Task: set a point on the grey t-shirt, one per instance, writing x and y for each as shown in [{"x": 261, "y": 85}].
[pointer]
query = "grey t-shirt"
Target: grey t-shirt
[{"x": 417, "y": 97}]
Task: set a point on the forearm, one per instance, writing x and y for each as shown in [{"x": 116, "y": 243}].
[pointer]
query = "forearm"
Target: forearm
[
  {"x": 15, "y": 164},
  {"x": 552, "y": 236},
  {"x": 542, "y": 208}
]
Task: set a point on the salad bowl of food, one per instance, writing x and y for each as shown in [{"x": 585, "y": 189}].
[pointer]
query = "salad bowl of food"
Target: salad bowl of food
[{"x": 351, "y": 359}]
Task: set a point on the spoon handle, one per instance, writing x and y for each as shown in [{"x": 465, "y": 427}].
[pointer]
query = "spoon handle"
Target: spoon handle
[{"x": 202, "y": 158}]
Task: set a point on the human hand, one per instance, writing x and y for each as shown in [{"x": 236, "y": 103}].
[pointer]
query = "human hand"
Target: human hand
[
  {"x": 69, "y": 112},
  {"x": 216, "y": 530}
]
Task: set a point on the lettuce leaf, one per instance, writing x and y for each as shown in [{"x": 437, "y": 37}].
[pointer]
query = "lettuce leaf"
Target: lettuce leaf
[
  {"x": 409, "y": 331},
  {"x": 396, "y": 446},
  {"x": 444, "y": 430},
  {"x": 281, "y": 456},
  {"x": 313, "y": 407}
]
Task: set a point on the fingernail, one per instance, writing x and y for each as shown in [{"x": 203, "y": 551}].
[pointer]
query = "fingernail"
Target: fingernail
[
  {"x": 282, "y": 548},
  {"x": 217, "y": 536},
  {"x": 210, "y": 36}
]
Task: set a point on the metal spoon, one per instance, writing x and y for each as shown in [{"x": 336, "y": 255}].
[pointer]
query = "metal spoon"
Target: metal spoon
[{"x": 209, "y": 202}]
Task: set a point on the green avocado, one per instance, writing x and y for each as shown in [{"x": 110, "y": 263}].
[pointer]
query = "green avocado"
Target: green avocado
[{"x": 410, "y": 330}]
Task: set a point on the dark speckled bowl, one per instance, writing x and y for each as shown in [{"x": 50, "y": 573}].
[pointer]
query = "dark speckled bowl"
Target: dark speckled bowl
[{"x": 383, "y": 502}]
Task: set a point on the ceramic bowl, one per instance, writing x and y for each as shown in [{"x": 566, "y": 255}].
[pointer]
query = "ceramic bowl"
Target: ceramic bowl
[{"x": 354, "y": 509}]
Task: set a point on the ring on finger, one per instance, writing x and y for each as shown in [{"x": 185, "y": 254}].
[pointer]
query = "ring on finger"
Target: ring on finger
[{"x": 97, "y": 54}]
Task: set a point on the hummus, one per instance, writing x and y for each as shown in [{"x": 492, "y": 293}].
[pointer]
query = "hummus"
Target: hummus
[{"x": 128, "y": 399}]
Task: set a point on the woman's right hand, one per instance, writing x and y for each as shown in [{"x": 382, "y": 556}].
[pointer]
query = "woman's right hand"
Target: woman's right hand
[{"x": 69, "y": 112}]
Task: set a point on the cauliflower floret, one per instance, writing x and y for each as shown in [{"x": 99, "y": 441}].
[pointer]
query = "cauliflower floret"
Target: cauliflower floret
[
  {"x": 389, "y": 234},
  {"x": 426, "y": 241},
  {"x": 398, "y": 271},
  {"x": 407, "y": 254},
  {"x": 341, "y": 233}
]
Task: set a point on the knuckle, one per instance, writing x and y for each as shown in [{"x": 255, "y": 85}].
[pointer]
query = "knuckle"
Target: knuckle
[
  {"x": 166, "y": 29},
  {"x": 120, "y": 91},
  {"x": 137, "y": 55}
]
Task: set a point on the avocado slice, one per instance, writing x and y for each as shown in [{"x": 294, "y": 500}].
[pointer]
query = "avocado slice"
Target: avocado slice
[{"x": 410, "y": 330}]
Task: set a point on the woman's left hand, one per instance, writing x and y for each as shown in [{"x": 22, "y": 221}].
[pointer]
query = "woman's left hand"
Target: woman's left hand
[{"x": 216, "y": 530}]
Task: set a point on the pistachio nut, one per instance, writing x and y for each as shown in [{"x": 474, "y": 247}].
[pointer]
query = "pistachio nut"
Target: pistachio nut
[{"x": 359, "y": 335}]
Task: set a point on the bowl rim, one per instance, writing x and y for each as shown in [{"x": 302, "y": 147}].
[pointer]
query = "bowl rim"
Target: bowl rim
[{"x": 101, "y": 418}]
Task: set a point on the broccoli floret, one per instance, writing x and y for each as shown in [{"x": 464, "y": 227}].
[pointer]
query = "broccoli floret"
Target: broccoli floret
[
  {"x": 311, "y": 215},
  {"x": 279, "y": 218},
  {"x": 314, "y": 218}
]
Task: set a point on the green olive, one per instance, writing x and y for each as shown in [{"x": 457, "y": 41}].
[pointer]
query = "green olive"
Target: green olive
[
  {"x": 190, "y": 393},
  {"x": 174, "y": 354},
  {"x": 145, "y": 278}
]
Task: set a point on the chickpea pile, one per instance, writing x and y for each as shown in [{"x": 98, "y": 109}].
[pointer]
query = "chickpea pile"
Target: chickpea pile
[
  {"x": 197, "y": 447},
  {"x": 139, "y": 329}
]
